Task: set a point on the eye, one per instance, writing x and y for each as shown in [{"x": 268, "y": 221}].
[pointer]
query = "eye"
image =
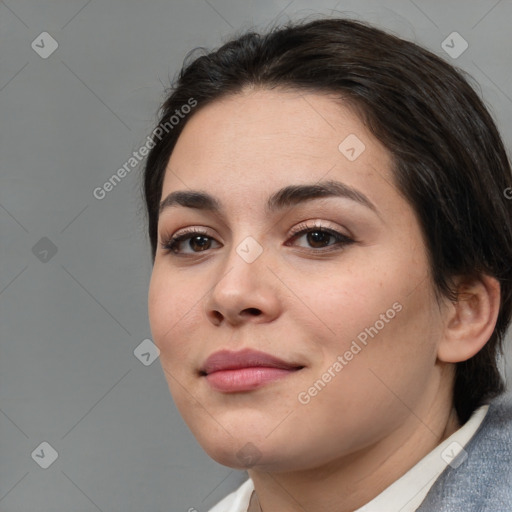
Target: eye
[
  {"x": 318, "y": 237},
  {"x": 198, "y": 241}
]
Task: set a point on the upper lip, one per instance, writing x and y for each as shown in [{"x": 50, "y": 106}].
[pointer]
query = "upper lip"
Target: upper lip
[{"x": 227, "y": 360}]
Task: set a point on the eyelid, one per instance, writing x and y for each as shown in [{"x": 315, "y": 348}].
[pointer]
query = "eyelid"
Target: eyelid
[
  {"x": 200, "y": 230},
  {"x": 318, "y": 224},
  {"x": 193, "y": 229}
]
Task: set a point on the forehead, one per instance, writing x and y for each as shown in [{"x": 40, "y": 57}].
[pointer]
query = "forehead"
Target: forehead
[{"x": 260, "y": 140}]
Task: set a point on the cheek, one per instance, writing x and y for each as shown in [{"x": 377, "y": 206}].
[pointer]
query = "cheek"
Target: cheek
[
  {"x": 382, "y": 315},
  {"x": 344, "y": 306},
  {"x": 395, "y": 349},
  {"x": 371, "y": 382},
  {"x": 172, "y": 311}
]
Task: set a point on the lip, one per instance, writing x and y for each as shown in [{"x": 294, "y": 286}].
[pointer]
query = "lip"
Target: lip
[{"x": 244, "y": 370}]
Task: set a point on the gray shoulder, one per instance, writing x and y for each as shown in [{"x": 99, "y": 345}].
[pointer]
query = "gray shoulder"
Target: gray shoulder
[{"x": 483, "y": 482}]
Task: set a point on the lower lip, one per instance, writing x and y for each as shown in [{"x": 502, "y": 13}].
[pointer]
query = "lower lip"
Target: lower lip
[{"x": 245, "y": 379}]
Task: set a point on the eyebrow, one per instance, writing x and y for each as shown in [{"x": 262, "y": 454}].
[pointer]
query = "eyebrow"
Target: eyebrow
[{"x": 283, "y": 198}]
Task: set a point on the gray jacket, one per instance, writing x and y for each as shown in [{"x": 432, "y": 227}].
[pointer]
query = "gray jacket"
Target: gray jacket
[{"x": 483, "y": 482}]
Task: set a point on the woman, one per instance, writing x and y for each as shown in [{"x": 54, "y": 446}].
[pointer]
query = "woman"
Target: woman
[{"x": 332, "y": 248}]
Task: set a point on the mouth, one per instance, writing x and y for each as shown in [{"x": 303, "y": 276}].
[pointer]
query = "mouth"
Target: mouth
[{"x": 246, "y": 370}]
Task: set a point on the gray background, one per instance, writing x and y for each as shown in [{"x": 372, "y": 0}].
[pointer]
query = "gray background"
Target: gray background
[{"x": 70, "y": 321}]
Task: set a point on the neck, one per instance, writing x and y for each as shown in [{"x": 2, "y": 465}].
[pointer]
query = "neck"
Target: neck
[{"x": 348, "y": 482}]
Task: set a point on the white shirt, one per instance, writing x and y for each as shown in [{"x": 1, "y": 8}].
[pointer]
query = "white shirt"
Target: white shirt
[{"x": 406, "y": 493}]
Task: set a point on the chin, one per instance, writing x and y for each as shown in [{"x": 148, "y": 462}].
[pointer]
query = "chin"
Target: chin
[
  {"x": 242, "y": 450},
  {"x": 236, "y": 453}
]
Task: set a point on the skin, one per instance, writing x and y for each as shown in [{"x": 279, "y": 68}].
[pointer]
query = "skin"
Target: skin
[{"x": 392, "y": 403}]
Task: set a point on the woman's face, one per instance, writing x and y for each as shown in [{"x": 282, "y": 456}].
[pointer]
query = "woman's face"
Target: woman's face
[{"x": 336, "y": 285}]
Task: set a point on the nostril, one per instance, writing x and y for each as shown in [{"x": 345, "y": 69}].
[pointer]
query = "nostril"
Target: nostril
[{"x": 253, "y": 311}]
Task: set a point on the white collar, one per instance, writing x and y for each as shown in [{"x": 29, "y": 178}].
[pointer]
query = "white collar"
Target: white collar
[{"x": 407, "y": 493}]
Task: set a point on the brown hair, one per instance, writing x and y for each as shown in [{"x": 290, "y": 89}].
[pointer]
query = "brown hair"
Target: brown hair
[{"x": 449, "y": 159}]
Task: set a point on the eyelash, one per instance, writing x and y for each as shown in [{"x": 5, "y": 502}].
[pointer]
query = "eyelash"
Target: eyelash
[{"x": 170, "y": 244}]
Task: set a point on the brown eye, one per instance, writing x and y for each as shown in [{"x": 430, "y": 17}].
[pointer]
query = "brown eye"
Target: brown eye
[
  {"x": 318, "y": 238},
  {"x": 198, "y": 241}
]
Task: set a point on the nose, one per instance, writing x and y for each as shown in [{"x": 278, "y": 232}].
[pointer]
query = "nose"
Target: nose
[{"x": 245, "y": 292}]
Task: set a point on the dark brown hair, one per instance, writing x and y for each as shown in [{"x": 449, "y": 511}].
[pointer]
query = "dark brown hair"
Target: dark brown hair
[{"x": 449, "y": 159}]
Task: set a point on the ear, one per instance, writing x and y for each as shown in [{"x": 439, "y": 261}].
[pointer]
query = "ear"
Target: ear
[{"x": 470, "y": 321}]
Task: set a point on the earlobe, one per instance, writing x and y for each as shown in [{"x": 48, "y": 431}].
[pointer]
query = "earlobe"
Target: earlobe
[{"x": 470, "y": 321}]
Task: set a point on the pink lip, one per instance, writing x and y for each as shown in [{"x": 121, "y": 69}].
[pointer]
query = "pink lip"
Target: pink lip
[{"x": 244, "y": 370}]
